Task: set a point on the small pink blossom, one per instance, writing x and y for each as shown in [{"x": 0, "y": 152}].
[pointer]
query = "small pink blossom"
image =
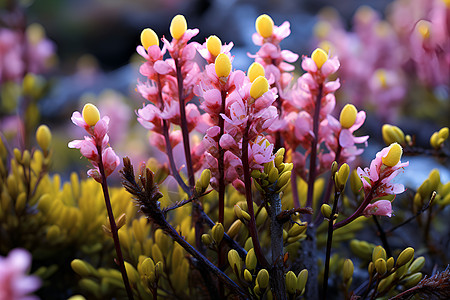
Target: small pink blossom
[
  {"x": 379, "y": 208},
  {"x": 15, "y": 284}
]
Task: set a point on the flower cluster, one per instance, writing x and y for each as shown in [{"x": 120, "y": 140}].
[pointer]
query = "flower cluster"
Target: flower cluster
[{"x": 95, "y": 146}]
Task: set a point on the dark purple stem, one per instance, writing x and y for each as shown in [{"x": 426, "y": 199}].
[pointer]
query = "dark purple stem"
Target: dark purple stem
[
  {"x": 313, "y": 154},
  {"x": 329, "y": 243},
  {"x": 112, "y": 223},
  {"x": 184, "y": 128},
  {"x": 248, "y": 195},
  {"x": 360, "y": 209}
]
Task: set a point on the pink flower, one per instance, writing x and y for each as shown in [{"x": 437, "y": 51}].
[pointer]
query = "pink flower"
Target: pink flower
[
  {"x": 260, "y": 152},
  {"x": 15, "y": 284},
  {"x": 95, "y": 143},
  {"x": 379, "y": 208},
  {"x": 378, "y": 178},
  {"x": 204, "y": 52}
]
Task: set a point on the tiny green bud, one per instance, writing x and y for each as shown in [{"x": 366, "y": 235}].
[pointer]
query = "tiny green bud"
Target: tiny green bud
[
  {"x": 302, "y": 278},
  {"x": 416, "y": 265},
  {"x": 412, "y": 280}
]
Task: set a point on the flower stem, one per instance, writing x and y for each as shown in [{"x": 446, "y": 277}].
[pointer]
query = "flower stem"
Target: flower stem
[
  {"x": 277, "y": 281},
  {"x": 313, "y": 154},
  {"x": 112, "y": 223},
  {"x": 184, "y": 129},
  {"x": 329, "y": 243},
  {"x": 248, "y": 195},
  {"x": 382, "y": 237}
]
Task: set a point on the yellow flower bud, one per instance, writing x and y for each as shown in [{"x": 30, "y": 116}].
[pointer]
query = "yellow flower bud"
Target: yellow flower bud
[
  {"x": 205, "y": 177},
  {"x": 320, "y": 57},
  {"x": 347, "y": 270},
  {"x": 416, "y": 265},
  {"x": 297, "y": 229},
  {"x": 378, "y": 252},
  {"x": 234, "y": 260},
  {"x": 392, "y": 134},
  {"x": 207, "y": 239},
  {"x": 149, "y": 38},
  {"x": 214, "y": 45},
  {"x": 159, "y": 268},
  {"x": 90, "y": 113},
  {"x": 234, "y": 228},
  {"x": 423, "y": 27},
  {"x": 133, "y": 275},
  {"x": 302, "y": 278},
  {"x": 284, "y": 178},
  {"x": 148, "y": 266},
  {"x": 263, "y": 279},
  {"x": 443, "y": 133},
  {"x": 355, "y": 182},
  {"x": 44, "y": 137},
  {"x": 326, "y": 211},
  {"x": 412, "y": 280},
  {"x": 405, "y": 257},
  {"x": 380, "y": 266},
  {"x": 80, "y": 267},
  {"x": 90, "y": 286},
  {"x": 264, "y": 26},
  {"x": 222, "y": 65},
  {"x": 259, "y": 86},
  {"x": 348, "y": 116},
  {"x": 122, "y": 220},
  {"x": 273, "y": 175},
  {"x": 291, "y": 282},
  {"x": 248, "y": 276},
  {"x": 390, "y": 263},
  {"x": 393, "y": 156},
  {"x": 250, "y": 259},
  {"x": 342, "y": 176},
  {"x": 178, "y": 26},
  {"x": 255, "y": 70},
  {"x": 217, "y": 232}
]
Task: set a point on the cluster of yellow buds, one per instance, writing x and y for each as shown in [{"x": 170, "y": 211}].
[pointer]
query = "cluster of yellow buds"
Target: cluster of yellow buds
[
  {"x": 389, "y": 273},
  {"x": 203, "y": 182},
  {"x": 295, "y": 233},
  {"x": 432, "y": 187},
  {"x": 276, "y": 175},
  {"x": 295, "y": 285},
  {"x": 438, "y": 138},
  {"x": 215, "y": 237},
  {"x": 393, "y": 134}
]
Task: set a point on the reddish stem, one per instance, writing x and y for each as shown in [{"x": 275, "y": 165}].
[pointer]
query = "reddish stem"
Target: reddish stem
[
  {"x": 248, "y": 195},
  {"x": 112, "y": 223}
]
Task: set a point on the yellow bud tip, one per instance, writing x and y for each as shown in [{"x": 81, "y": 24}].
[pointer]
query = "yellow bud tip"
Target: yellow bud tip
[
  {"x": 381, "y": 76},
  {"x": 149, "y": 38},
  {"x": 443, "y": 133},
  {"x": 320, "y": 57},
  {"x": 348, "y": 116},
  {"x": 259, "y": 86},
  {"x": 178, "y": 26},
  {"x": 423, "y": 28},
  {"x": 264, "y": 26},
  {"x": 393, "y": 156},
  {"x": 43, "y": 137},
  {"x": 90, "y": 113},
  {"x": 214, "y": 45},
  {"x": 222, "y": 65},
  {"x": 255, "y": 70}
]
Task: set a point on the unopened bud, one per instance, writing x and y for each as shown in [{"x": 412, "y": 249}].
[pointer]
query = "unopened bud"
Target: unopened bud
[
  {"x": 222, "y": 65},
  {"x": 302, "y": 278},
  {"x": 393, "y": 156},
  {"x": 392, "y": 134},
  {"x": 380, "y": 266},
  {"x": 259, "y": 86},
  {"x": 44, "y": 137},
  {"x": 319, "y": 56},
  {"x": 214, "y": 45},
  {"x": 378, "y": 252},
  {"x": 347, "y": 270},
  {"x": 404, "y": 257},
  {"x": 250, "y": 259},
  {"x": 416, "y": 265},
  {"x": 149, "y": 38},
  {"x": 348, "y": 116},
  {"x": 326, "y": 211},
  {"x": 207, "y": 239},
  {"x": 342, "y": 176},
  {"x": 217, "y": 232},
  {"x": 263, "y": 278},
  {"x": 90, "y": 113},
  {"x": 178, "y": 26},
  {"x": 255, "y": 70},
  {"x": 248, "y": 276},
  {"x": 291, "y": 282},
  {"x": 264, "y": 26}
]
